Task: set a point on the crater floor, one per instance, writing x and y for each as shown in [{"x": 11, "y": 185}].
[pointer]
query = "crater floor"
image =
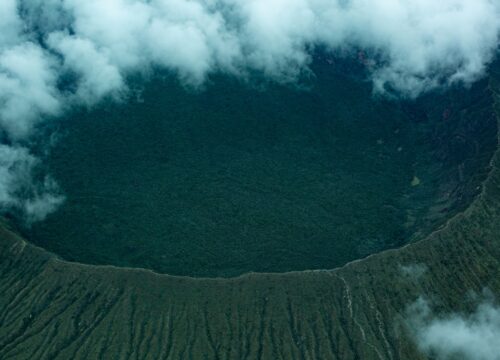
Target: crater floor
[{"x": 238, "y": 178}]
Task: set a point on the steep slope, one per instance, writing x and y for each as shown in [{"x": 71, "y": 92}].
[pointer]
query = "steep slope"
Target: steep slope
[{"x": 52, "y": 309}]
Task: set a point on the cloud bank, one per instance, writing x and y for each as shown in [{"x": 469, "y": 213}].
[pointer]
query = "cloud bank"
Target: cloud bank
[
  {"x": 457, "y": 336},
  {"x": 55, "y": 54}
]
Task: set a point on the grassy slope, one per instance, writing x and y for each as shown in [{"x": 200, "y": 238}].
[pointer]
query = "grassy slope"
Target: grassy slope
[{"x": 51, "y": 309}]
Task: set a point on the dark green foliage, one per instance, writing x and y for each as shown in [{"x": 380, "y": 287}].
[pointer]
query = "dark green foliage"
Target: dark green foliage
[{"x": 234, "y": 179}]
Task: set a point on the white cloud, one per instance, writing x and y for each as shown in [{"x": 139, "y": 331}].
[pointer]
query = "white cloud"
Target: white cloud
[
  {"x": 276, "y": 35},
  {"x": 97, "y": 78},
  {"x": 184, "y": 36},
  {"x": 10, "y": 23},
  {"x": 418, "y": 45},
  {"x": 27, "y": 89},
  {"x": 17, "y": 189},
  {"x": 472, "y": 336}
]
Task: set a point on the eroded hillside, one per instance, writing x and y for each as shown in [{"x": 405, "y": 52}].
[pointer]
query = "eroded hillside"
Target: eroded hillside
[{"x": 52, "y": 309}]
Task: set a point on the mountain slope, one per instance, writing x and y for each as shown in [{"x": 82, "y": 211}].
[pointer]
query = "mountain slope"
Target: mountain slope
[{"x": 52, "y": 309}]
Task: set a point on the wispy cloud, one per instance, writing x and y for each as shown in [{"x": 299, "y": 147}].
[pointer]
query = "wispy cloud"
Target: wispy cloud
[
  {"x": 473, "y": 336},
  {"x": 35, "y": 199}
]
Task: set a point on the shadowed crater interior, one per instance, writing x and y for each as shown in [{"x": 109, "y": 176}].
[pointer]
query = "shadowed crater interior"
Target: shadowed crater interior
[{"x": 238, "y": 178}]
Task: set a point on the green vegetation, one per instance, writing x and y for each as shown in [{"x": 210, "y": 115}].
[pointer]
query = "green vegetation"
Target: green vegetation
[
  {"x": 53, "y": 309},
  {"x": 237, "y": 178}
]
